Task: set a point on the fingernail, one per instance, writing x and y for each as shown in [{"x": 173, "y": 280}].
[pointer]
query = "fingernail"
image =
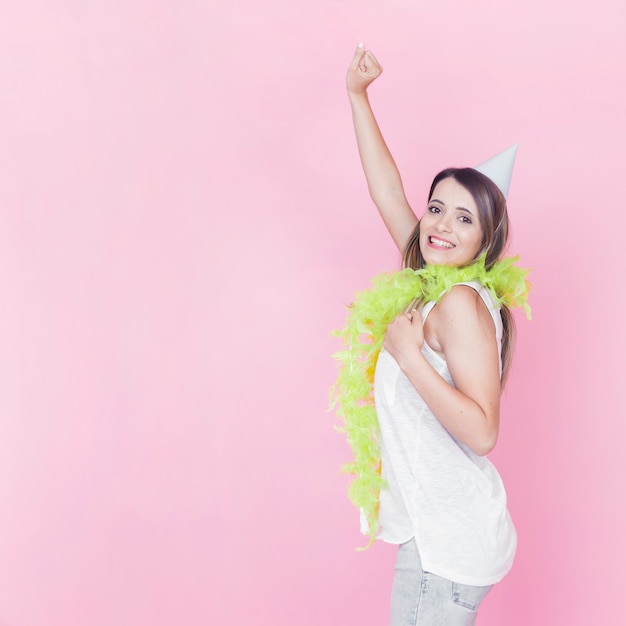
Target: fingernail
[{"x": 360, "y": 44}]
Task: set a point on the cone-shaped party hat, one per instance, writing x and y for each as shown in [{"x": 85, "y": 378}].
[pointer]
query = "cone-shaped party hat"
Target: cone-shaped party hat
[{"x": 500, "y": 168}]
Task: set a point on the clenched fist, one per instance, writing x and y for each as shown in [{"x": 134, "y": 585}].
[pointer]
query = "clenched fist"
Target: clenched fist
[{"x": 363, "y": 70}]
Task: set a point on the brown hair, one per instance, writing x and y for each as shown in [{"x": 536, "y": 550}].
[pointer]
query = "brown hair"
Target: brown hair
[{"x": 494, "y": 222}]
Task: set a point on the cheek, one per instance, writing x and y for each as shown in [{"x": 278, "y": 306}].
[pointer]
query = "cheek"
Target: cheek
[
  {"x": 478, "y": 243},
  {"x": 473, "y": 244}
]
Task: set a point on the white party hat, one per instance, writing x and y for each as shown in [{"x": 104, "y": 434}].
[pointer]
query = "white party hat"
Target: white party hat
[{"x": 500, "y": 168}]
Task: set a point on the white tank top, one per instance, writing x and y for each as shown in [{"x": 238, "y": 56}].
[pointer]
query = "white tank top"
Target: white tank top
[{"x": 440, "y": 492}]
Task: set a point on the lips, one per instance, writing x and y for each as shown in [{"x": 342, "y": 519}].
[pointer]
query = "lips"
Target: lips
[{"x": 435, "y": 242}]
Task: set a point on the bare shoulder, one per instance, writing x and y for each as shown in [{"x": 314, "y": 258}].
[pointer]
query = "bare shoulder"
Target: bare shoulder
[
  {"x": 462, "y": 311},
  {"x": 465, "y": 335}
]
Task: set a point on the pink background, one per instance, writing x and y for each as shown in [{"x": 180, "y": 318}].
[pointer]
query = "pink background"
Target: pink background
[{"x": 182, "y": 219}]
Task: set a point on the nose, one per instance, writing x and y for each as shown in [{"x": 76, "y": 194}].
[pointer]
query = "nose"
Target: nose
[{"x": 443, "y": 225}]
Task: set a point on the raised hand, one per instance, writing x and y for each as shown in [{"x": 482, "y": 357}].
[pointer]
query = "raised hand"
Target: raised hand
[{"x": 364, "y": 69}]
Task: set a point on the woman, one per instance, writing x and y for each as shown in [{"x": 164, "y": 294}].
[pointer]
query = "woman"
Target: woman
[{"x": 437, "y": 382}]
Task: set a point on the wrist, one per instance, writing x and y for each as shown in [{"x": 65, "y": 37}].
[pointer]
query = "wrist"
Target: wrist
[
  {"x": 411, "y": 361},
  {"x": 358, "y": 95}
]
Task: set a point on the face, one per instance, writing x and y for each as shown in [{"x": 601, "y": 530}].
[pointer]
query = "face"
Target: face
[{"x": 450, "y": 229}]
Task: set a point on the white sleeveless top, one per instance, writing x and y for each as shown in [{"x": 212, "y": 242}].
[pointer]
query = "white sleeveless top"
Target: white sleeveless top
[{"x": 440, "y": 492}]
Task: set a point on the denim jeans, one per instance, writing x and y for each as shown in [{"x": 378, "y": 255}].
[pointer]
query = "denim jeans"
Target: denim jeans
[{"x": 420, "y": 598}]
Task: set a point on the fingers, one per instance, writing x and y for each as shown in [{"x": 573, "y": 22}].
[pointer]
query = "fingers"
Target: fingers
[
  {"x": 412, "y": 316},
  {"x": 409, "y": 317},
  {"x": 409, "y": 314},
  {"x": 365, "y": 61},
  {"x": 358, "y": 54},
  {"x": 369, "y": 62}
]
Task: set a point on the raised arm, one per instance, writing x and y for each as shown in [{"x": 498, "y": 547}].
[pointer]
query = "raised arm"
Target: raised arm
[{"x": 383, "y": 178}]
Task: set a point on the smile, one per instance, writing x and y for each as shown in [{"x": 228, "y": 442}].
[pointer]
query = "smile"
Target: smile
[{"x": 440, "y": 243}]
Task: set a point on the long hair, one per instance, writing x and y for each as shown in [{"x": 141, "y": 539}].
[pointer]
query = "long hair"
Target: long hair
[{"x": 494, "y": 221}]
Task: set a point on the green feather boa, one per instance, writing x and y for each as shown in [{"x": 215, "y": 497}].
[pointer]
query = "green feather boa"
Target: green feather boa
[{"x": 370, "y": 314}]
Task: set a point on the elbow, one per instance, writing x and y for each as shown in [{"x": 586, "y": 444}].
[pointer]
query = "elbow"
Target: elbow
[
  {"x": 486, "y": 444},
  {"x": 487, "y": 435}
]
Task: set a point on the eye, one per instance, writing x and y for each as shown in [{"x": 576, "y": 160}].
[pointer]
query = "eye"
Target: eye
[
  {"x": 465, "y": 219},
  {"x": 434, "y": 209}
]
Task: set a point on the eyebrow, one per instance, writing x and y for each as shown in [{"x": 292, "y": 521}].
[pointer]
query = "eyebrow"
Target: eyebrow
[{"x": 459, "y": 208}]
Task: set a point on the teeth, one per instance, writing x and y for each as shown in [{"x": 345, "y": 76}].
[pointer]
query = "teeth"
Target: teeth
[{"x": 440, "y": 243}]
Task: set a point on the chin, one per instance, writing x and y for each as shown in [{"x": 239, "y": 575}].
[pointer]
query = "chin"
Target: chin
[{"x": 436, "y": 259}]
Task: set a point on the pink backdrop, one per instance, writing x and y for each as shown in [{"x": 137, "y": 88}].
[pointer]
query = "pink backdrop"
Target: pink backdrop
[{"x": 183, "y": 217}]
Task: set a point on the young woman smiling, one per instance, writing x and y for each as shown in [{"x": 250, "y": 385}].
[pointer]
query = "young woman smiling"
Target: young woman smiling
[{"x": 420, "y": 435}]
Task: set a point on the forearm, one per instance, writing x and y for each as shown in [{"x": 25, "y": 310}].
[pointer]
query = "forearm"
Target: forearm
[
  {"x": 382, "y": 175},
  {"x": 381, "y": 172},
  {"x": 459, "y": 414}
]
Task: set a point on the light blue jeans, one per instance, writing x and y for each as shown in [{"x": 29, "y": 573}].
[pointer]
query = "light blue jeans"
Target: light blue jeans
[{"x": 419, "y": 598}]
